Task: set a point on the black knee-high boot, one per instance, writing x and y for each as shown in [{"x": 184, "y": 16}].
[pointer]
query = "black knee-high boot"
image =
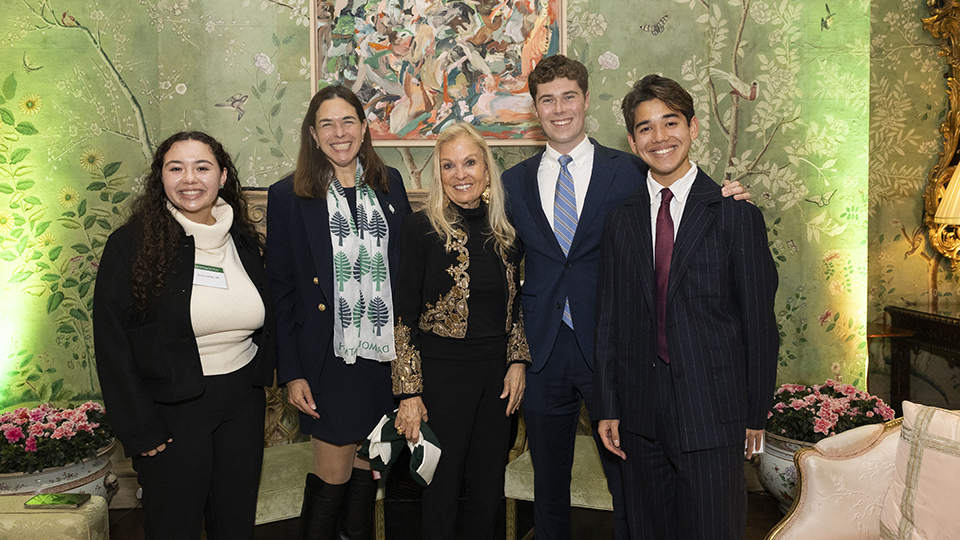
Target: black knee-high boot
[
  {"x": 321, "y": 509},
  {"x": 356, "y": 516}
]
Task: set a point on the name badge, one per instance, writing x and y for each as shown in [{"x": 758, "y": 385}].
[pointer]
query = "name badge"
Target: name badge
[{"x": 209, "y": 276}]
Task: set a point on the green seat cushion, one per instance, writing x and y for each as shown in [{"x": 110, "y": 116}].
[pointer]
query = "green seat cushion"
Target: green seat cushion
[
  {"x": 588, "y": 484},
  {"x": 88, "y": 522},
  {"x": 282, "y": 479}
]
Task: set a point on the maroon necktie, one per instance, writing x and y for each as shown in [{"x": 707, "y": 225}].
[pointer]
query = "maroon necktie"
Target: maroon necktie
[{"x": 664, "y": 252}]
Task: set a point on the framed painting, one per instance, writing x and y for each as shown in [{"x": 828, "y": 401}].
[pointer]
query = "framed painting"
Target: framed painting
[{"x": 419, "y": 65}]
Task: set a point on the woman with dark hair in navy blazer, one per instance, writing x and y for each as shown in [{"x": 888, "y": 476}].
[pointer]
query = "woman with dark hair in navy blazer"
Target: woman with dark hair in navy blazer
[
  {"x": 184, "y": 334},
  {"x": 332, "y": 255}
]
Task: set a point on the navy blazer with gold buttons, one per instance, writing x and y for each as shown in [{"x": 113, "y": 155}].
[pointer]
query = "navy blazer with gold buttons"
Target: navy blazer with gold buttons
[{"x": 300, "y": 269}]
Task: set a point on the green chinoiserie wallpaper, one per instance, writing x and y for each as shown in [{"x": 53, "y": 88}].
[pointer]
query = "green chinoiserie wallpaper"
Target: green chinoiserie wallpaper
[{"x": 828, "y": 112}]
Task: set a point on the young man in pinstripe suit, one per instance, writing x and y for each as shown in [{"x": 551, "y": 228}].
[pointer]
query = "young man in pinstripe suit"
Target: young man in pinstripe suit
[
  {"x": 559, "y": 293},
  {"x": 686, "y": 338}
]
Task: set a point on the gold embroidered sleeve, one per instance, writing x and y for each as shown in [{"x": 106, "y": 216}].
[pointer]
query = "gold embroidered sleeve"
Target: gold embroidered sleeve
[
  {"x": 407, "y": 377},
  {"x": 517, "y": 349},
  {"x": 448, "y": 317}
]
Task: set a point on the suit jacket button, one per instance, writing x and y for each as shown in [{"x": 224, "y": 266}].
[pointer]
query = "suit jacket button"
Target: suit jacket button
[
  {"x": 567, "y": 265},
  {"x": 559, "y": 306},
  {"x": 322, "y": 307},
  {"x": 316, "y": 281}
]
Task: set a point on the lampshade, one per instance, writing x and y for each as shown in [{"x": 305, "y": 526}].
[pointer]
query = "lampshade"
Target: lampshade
[{"x": 948, "y": 211}]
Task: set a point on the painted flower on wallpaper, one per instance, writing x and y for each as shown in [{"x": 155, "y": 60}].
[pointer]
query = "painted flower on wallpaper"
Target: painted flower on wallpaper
[
  {"x": 46, "y": 239},
  {"x": 181, "y": 89},
  {"x": 825, "y": 317},
  {"x": 6, "y": 222},
  {"x": 596, "y": 24},
  {"x": 91, "y": 159},
  {"x": 618, "y": 112},
  {"x": 179, "y": 7},
  {"x": 96, "y": 15},
  {"x": 591, "y": 125},
  {"x": 68, "y": 197},
  {"x": 263, "y": 62},
  {"x": 608, "y": 60},
  {"x": 760, "y": 12},
  {"x": 836, "y": 287},
  {"x": 31, "y": 104},
  {"x": 210, "y": 27},
  {"x": 165, "y": 85}
]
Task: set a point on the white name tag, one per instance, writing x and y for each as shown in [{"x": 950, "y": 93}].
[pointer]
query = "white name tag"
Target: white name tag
[{"x": 209, "y": 276}]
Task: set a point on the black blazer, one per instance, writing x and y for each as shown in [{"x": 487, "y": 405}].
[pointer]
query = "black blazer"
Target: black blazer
[
  {"x": 430, "y": 275},
  {"x": 720, "y": 322},
  {"x": 300, "y": 269},
  {"x": 551, "y": 277},
  {"x": 148, "y": 357}
]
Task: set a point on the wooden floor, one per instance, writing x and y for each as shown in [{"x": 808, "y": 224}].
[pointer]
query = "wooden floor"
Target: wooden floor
[{"x": 403, "y": 522}]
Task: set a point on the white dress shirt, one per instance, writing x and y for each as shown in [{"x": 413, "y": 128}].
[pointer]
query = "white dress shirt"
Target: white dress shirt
[
  {"x": 580, "y": 169},
  {"x": 681, "y": 190}
]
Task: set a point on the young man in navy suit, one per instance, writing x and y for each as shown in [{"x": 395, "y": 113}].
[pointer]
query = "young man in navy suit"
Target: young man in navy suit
[
  {"x": 558, "y": 200},
  {"x": 686, "y": 337}
]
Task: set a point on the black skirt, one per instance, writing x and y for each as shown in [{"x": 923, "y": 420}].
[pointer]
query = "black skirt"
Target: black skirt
[{"x": 351, "y": 399}]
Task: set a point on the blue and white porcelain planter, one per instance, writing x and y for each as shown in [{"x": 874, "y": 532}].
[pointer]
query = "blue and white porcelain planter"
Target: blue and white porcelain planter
[
  {"x": 93, "y": 476},
  {"x": 776, "y": 471}
]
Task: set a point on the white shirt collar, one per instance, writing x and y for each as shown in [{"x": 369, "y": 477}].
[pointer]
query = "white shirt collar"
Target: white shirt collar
[
  {"x": 579, "y": 154},
  {"x": 680, "y": 188}
]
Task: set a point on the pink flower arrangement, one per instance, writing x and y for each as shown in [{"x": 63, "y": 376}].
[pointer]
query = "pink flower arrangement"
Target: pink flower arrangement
[
  {"x": 812, "y": 413},
  {"x": 47, "y": 436}
]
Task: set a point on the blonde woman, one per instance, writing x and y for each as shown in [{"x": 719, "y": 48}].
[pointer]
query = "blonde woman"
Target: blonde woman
[{"x": 461, "y": 350}]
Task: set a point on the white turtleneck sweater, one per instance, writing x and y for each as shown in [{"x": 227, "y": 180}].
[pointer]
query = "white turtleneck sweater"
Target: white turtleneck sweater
[{"x": 224, "y": 319}]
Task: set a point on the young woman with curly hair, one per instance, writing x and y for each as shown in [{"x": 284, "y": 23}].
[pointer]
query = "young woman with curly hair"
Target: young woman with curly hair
[{"x": 184, "y": 331}]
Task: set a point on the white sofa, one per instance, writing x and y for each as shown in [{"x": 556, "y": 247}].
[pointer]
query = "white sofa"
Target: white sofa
[{"x": 843, "y": 482}]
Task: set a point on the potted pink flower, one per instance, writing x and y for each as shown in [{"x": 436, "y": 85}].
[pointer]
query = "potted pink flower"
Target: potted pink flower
[
  {"x": 812, "y": 413},
  {"x": 48, "y": 436},
  {"x": 803, "y": 415}
]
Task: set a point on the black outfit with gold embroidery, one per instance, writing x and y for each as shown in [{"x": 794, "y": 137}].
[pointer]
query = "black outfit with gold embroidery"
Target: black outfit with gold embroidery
[{"x": 458, "y": 327}]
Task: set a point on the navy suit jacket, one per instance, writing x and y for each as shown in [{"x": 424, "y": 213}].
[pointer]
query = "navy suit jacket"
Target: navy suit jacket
[
  {"x": 549, "y": 276},
  {"x": 721, "y": 328},
  {"x": 300, "y": 269}
]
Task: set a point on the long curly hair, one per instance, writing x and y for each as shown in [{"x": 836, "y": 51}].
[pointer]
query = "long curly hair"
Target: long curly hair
[
  {"x": 157, "y": 230},
  {"x": 443, "y": 216},
  {"x": 314, "y": 171}
]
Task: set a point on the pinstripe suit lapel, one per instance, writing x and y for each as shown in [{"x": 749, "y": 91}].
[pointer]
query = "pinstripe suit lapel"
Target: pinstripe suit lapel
[
  {"x": 315, "y": 216},
  {"x": 697, "y": 218},
  {"x": 639, "y": 217}
]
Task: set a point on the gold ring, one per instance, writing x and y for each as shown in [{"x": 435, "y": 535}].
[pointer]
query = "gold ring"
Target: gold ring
[{"x": 400, "y": 430}]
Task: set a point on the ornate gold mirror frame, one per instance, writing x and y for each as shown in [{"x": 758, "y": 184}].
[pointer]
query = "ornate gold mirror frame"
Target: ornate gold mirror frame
[{"x": 944, "y": 23}]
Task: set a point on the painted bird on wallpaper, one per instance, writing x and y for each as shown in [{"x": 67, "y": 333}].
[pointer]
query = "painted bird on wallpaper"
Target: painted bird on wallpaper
[
  {"x": 822, "y": 199},
  {"x": 825, "y": 22},
  {"x": 26, "y": 64},
  {"x": 68, "y": 20},
  {"x": 740, "y": 88},
  {"x": 235, "y": 102}
]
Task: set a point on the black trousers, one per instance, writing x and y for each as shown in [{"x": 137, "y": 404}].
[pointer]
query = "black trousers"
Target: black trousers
[
  {"x": 212, "y": 468},
  {"x": 469, "y": 419},
  {"x": 677, "y": 495}
]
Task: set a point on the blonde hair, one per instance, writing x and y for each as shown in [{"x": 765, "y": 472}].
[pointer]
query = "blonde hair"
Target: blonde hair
[{"x": 439, "y": 209}]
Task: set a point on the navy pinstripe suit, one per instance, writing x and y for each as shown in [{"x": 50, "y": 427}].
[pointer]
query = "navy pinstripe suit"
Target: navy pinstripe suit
[{"x": 682, "y": 425}]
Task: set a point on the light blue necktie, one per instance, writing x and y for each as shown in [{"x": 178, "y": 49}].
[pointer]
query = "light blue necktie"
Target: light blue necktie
[{"x": 565, "y": 218}]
